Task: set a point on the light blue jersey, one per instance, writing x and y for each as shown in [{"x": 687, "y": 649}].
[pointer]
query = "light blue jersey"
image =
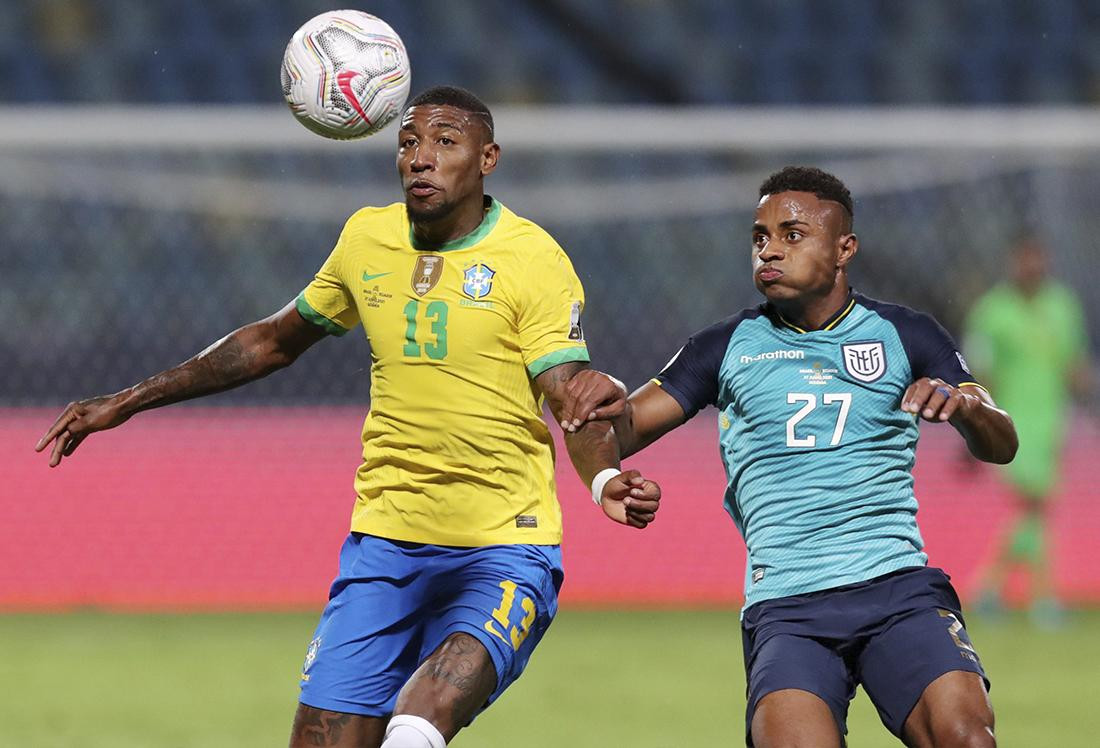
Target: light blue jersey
[{"x": 817, "y": 451}]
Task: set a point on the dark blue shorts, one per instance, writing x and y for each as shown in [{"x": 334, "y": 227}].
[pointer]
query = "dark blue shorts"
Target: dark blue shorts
[
  {"x": 893, "y": 635},
  {"x": 394, "y": 603}
]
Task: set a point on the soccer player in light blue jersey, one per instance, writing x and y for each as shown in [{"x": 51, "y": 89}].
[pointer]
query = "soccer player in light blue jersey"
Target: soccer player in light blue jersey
[{"x": 820, "y": 391}]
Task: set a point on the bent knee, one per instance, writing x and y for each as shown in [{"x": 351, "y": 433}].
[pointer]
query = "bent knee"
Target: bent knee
[
  {"x": 964, "y": 734},
  {"x": 954, "y": 710}
]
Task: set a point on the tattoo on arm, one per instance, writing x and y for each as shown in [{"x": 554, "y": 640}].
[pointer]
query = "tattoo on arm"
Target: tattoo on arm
[
  {"x": 552, "y": 383},
  {"x": 222, "y": 366},
  {"x": 594, "y": 445},
  {"x": 562, "y": 374}
]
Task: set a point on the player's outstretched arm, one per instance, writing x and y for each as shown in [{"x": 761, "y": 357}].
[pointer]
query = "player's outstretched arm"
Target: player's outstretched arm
[
  {"x": 626, "y": 497},
  {"x": 989, "y": 432},
  {"x": 639, "y": 420},
  {"x": 246, "y": 354}
]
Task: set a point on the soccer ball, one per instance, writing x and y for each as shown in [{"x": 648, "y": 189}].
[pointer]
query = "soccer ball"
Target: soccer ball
[{"x": 345, "y": 74}]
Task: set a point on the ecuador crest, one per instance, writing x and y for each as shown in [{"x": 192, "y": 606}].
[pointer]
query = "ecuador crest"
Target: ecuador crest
[{"x": 865, "y": 362}]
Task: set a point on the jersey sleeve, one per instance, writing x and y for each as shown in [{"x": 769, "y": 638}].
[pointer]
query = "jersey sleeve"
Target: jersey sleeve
[
  {"x": 691, "y": 377},
  {"x": 549, "y": 315},
  {"x": 932, "y": 351},
  {"x": 327, "y": 301}
]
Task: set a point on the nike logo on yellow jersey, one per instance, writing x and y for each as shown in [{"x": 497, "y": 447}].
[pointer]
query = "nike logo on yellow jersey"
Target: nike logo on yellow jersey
[{"x": 369, "y": 277}]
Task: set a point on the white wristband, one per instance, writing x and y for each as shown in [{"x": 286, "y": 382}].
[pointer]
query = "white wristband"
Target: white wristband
[{"x": 600, "y": 481}]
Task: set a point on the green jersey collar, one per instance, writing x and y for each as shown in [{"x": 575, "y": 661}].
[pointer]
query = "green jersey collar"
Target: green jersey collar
[{"x": 492, "y": 215}]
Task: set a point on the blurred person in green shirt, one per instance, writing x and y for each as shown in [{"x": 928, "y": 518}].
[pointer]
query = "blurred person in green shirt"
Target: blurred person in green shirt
[{"x": 1027, "y": 340}]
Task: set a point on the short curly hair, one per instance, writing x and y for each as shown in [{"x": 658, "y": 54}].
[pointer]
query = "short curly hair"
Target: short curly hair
[
  {"x": 808, "y": 179},
  {"x": 457, "y": 97}
]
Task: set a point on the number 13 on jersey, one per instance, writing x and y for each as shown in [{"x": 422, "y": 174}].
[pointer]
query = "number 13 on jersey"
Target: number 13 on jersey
[{"x": 436, "y": 315}]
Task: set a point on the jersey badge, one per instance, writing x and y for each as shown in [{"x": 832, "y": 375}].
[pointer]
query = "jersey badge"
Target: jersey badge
[
  {"x": 428, "y": 271},
  {"x": 311, "y": 653},
  {"x": 477, "y": 281},
  {"x": 576, "y": 332},
  {"x": 818, "y": 373},
  {"x": 962, "y": 362},
  {"x": 866, "y": 361}
]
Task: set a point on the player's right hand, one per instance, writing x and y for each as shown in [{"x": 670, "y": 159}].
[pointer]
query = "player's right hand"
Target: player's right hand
[
  {"x": 592, "y": 396},
  {"x": 76, "y": 422},
  {"x": 630, "y": 499}
]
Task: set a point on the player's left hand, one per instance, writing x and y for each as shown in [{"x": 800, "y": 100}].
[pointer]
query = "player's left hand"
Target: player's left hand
[
  {"x": 630, "y": 499},
  {"x": 936, "y": 400}
]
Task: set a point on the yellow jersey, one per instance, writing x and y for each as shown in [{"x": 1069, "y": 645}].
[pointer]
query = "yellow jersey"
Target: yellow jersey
[{"x": 455, "y": 449}]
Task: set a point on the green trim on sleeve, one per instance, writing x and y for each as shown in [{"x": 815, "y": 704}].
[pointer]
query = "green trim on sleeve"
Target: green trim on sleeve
[
  {"x": 312, "y": 315},
  {"x": 550, "y": 360}
]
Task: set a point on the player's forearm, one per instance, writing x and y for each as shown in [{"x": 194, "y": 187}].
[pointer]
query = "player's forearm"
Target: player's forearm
[
  {"x": 592, "y": 448},
  {"x": 243, "y": 356},
  {"x": 989, "y": 432},
  {"x": 626, "y": 435}
]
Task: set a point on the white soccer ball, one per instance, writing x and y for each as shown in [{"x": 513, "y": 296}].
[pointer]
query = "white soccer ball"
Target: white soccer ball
[{"x": 345, "y": 74}]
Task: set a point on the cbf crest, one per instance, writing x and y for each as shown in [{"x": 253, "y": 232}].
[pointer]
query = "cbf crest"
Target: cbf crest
[
  {"x": 311, "y": 654},
  {"x": 865, "y": 362},
  {"x": 477, "y": 280}
]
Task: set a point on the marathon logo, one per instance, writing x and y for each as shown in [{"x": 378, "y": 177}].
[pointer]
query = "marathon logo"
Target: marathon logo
[{"x": 773, "y": 356}]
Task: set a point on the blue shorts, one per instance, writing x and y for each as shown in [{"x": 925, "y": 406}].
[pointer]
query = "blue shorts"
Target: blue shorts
[
  {"x": 393, "y": 603},
  {"x": 893, "y": 635}
]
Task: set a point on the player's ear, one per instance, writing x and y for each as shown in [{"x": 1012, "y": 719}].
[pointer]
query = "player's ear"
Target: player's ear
[
  {"x": 848, "y": 245},
  {"x": 490, "y": 154}
]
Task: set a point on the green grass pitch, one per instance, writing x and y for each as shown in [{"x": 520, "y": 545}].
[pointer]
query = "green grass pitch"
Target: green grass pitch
[{"x": 638, "y": 678}]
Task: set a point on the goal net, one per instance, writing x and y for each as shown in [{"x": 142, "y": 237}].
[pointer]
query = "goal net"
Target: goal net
[
  {"x": 134, "y": 236},
  {"x": 130, "y": 238}
]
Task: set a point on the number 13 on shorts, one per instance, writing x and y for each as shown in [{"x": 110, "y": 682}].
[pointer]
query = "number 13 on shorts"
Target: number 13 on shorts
[{"x": 501, "y": 620}]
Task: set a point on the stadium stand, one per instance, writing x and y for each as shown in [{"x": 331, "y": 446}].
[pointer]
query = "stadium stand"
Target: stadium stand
[{"x": 845, "y": 52}]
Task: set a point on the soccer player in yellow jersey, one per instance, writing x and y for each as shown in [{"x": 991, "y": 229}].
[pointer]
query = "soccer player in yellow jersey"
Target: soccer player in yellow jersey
[{"x": 450, "y": 574}]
